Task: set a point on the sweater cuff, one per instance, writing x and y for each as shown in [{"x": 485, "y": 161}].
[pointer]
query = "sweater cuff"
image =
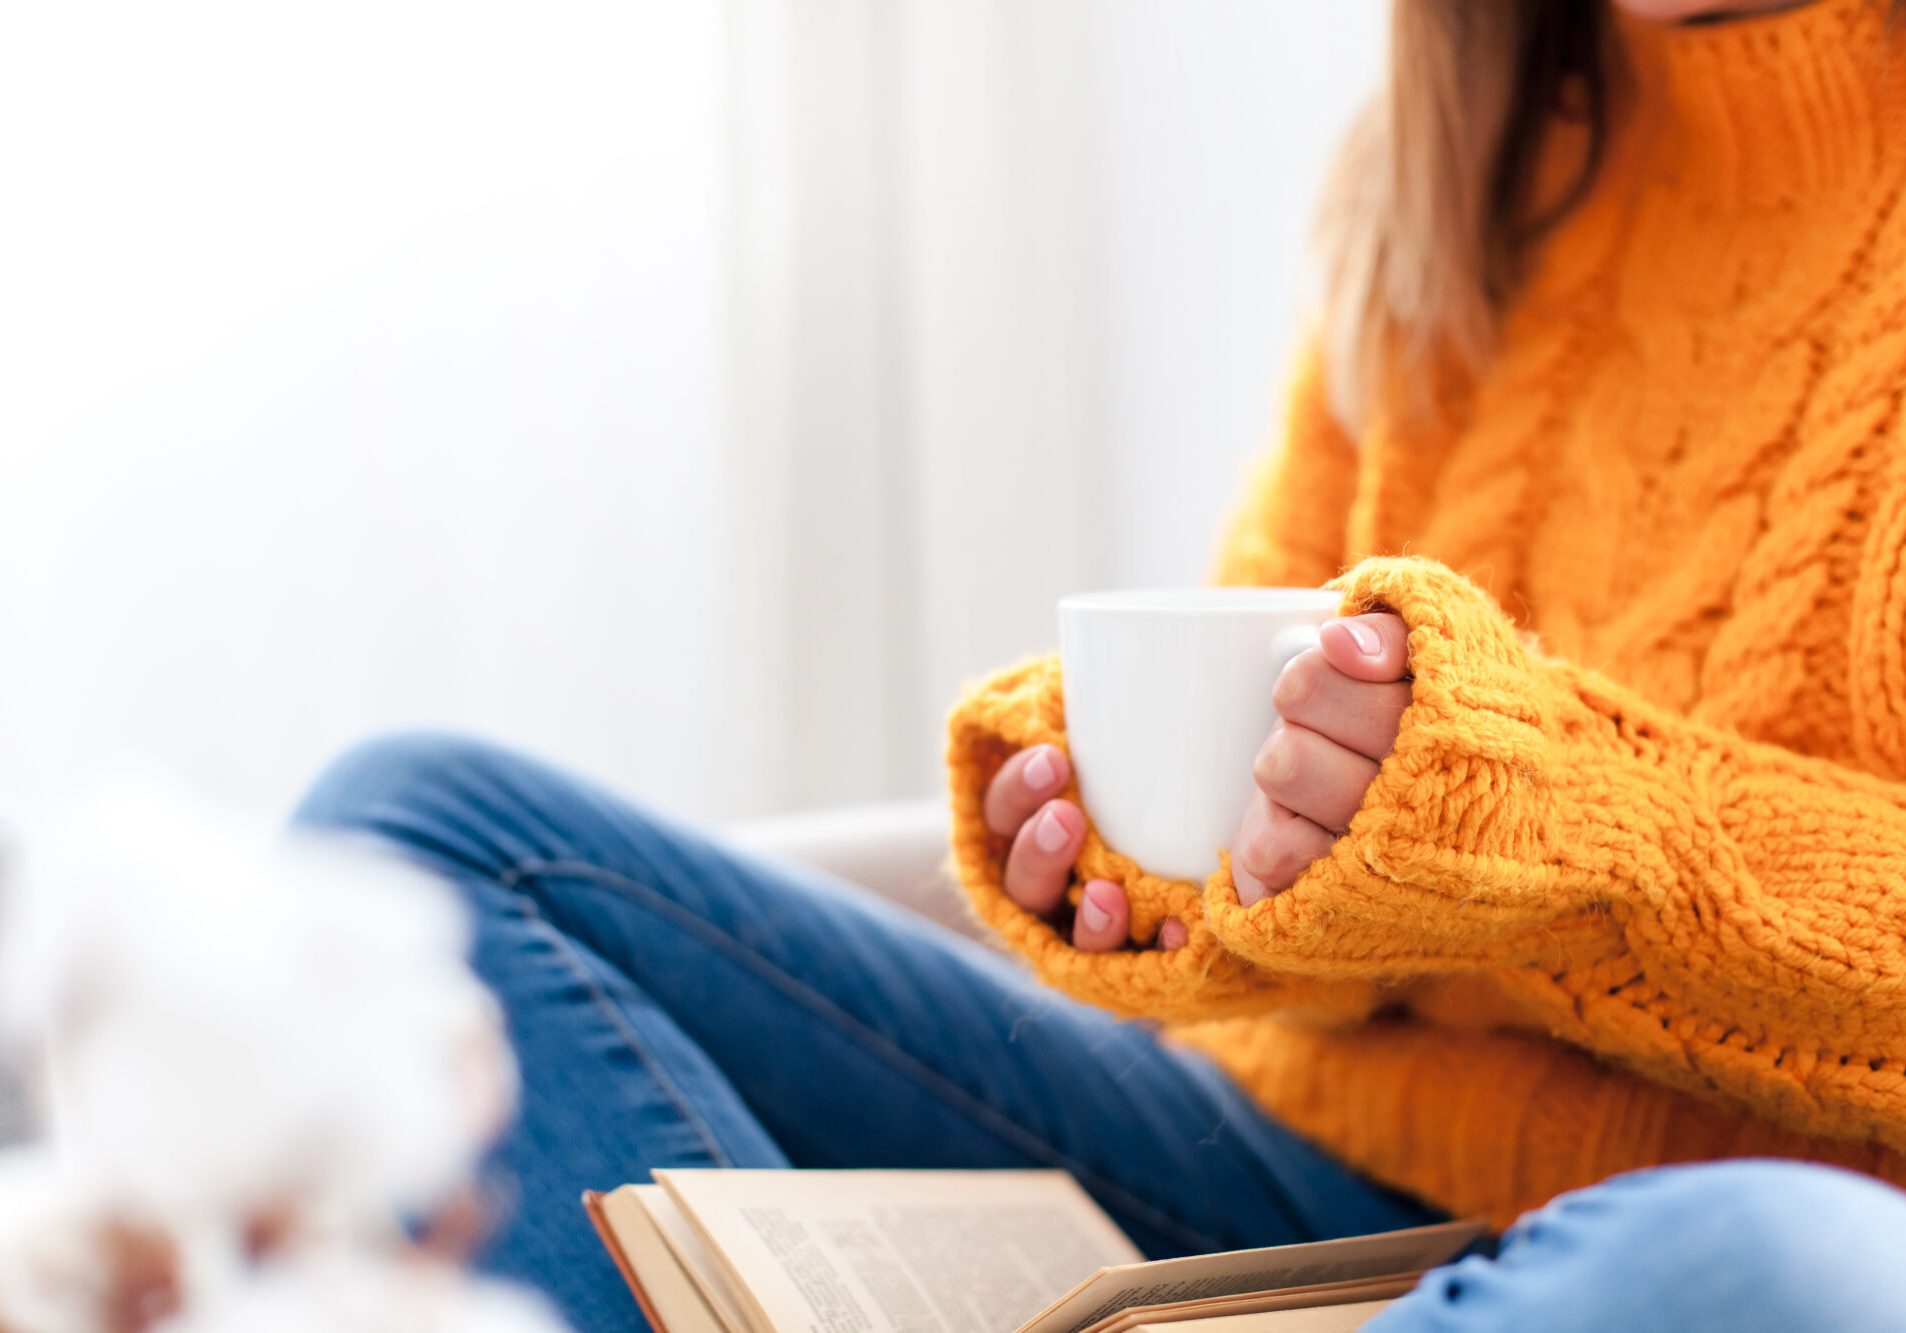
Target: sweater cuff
[
  {"x": 1469, "y": 846},
  {"x": 1022, "y": 707}
]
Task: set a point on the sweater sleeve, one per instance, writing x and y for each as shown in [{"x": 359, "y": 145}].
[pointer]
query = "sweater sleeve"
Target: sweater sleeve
[
  {"x": 1719, "y": 915},
  {"x": 1290, "y": 531}
]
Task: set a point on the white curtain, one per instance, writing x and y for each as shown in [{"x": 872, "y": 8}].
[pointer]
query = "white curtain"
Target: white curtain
[
  {"x": 692, "y": 392},
  {"x": 916, "y": 363}
]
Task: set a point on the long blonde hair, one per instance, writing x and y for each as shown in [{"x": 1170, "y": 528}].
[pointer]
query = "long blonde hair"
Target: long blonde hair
[{"x": 1430, "y": 214}]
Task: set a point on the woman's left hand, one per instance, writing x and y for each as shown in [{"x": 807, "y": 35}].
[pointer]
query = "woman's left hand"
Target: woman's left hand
[{"x": 1339, "y": 705}]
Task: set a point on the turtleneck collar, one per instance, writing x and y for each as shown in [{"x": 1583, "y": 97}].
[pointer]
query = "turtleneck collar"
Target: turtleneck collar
[{"x": 1770, "y": 110}]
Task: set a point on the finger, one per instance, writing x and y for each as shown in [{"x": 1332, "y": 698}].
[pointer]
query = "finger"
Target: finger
[
  {"x": 1313, "y": 776},
  {"x": 1272, "y": 848},
  {"x": 1375, "y": 647},
  {"x": 1173, "y": 933},
  {"x": 1034, "y": 775},
  {"x": 1358, "y": 715},
  {"x": 1039, "y": 866},
  {"x": 1103, "y": 917}
]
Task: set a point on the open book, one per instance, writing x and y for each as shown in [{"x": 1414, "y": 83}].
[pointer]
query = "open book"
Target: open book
[{"x": 967, "y": 1252}]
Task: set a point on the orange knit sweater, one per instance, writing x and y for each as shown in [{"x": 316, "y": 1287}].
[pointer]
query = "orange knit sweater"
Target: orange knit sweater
[{"x": 1632, "y": 887}]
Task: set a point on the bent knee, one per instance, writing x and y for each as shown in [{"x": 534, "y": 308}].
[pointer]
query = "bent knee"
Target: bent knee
[
  {"x": 381, "y": 784},
  {"x": 1745, "y": 1245},
  {"x": 1782, "y": 1216}
]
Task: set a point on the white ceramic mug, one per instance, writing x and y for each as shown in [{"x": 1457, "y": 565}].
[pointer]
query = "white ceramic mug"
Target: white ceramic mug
[{"x": 1167, "y": 702}]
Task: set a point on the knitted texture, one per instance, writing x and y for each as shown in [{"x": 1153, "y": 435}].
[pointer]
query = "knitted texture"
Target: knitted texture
[
  {"x": 1637, "y": 894},
  {"x": 1023, "y": 707}
]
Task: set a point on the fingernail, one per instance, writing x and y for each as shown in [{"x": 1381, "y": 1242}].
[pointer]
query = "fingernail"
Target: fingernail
[
  {"x": 1051, "y": 833},
  {"x": 1091, "y": 915},
  {"x": 1174, "y": 934},
  {"x": 1040, "y": 771},
  {"x": 1368, "y": 641}
]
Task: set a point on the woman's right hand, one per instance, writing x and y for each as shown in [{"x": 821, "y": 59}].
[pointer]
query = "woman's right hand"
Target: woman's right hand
[{"x": 1023, "y": 803}]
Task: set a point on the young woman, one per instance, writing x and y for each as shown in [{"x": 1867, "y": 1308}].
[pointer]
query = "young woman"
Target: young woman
[{"x": 1614, "y": 351}]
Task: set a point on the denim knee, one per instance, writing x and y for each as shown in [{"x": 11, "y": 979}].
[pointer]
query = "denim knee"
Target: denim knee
[
  {"x": 416, "y": 789},
  {"x": 1743, "y": 1246},
  {"x": 393, "y": 769}
]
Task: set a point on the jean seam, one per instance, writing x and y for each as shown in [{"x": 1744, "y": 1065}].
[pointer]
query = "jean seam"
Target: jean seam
[
  {"x": 950, "y": 1092},
  {"x": 566, "y": 950}
]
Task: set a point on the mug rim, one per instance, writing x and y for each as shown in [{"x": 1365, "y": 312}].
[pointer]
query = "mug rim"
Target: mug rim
[{"x": 1201, "y": 601}]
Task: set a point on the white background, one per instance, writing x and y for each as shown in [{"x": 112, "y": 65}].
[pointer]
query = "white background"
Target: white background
[{"x": 692, "y": 392}]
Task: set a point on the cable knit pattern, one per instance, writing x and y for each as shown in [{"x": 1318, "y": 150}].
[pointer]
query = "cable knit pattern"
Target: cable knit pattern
[
  {"x": 1631, "y": 887},
  {"x": 1719, "y": 915}
]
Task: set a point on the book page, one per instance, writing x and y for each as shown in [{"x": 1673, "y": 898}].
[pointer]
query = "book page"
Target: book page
[
  {"x": 1236, "y": 1272},
  {"x": 702, "y": 1266},
  {"x": 1291, "y": 1298},
  {"x": 669, "y": 1297},
  {"x": 921, "y": 1251},
  {"x": 1323, "y": 1319}
]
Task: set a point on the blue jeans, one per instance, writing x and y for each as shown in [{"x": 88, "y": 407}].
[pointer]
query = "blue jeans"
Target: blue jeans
[{"x": 675, "y": 1003}]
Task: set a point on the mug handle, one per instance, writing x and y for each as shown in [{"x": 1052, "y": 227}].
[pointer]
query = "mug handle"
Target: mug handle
[{"x": 1288, "y": 642}]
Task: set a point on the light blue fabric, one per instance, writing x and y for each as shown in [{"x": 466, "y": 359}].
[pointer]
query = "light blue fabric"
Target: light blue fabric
[
  {"x": 673, "y": 1002},
  {"x": 1732, "y": 1247}
]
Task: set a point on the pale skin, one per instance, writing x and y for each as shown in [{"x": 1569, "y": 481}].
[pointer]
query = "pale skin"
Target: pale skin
[{"x": 1339, "y": 704}]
